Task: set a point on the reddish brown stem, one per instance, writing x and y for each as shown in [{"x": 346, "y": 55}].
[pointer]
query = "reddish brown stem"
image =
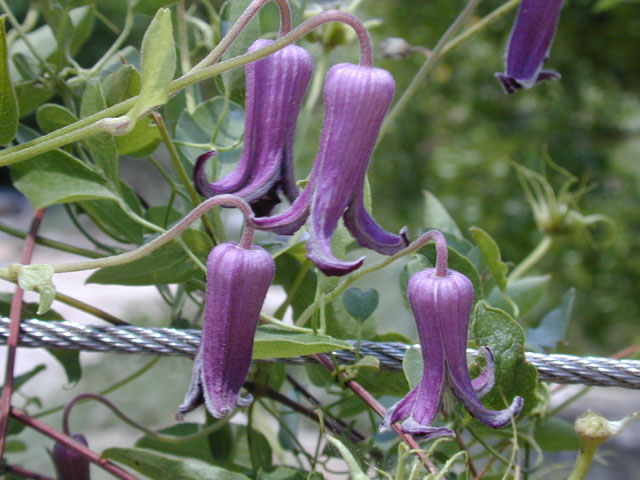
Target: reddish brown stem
[
  {"x": 14, "y": 330},
  {"x": 377, "y": 407},
  {"x": 71, "y": 444},
  {"x": 23, "y": 472}
]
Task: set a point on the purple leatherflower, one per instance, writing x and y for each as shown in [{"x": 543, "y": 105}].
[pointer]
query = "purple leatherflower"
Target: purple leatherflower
[
  {"x": 70, "y": 465},
  {"x": 530, "y": 44},
  {"x": 237, "y": 282},
  {"x": 356, "y": 100},
  {"x": 441, "y": 300},
  {"x": 275, "y": 86}
]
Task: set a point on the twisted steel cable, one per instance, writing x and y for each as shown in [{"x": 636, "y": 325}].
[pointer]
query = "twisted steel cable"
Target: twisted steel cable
[{"x": 168, "y": 341}]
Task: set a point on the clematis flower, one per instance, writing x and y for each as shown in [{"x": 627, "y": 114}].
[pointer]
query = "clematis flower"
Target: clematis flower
[
  {"x": 275, "y": 87},
  {"x": 69, "y": 464},
  {"x": 441, "y": 301},
  {"x": 529, "y": 45},
  {"x": 356, "y": 100},
  {"x": 237, "y": 282}
]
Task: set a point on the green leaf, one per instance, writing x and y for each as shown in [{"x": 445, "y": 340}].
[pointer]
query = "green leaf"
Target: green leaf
[
  {"x": 360, "y": 304},
  {"x": 555, "y": 434},
  {"x": 149, "y": 7},
  {"x": 8, "y": 99},
  {"x": 101, "y": 145},
  {"x": 342, "y": 325},
  {"x": 15, "y": 446},
  {"x": 287, "y": 473},
  {"x": 436, "y": 216},
  {"x": 52, "y": 116},
  {"x": 122, "y": 84},
  {"x": 161, "y": 468},
  {"x": 248, "y": 35},
  {"x": 38, "y": 278},
  {"x": 491, "y": 254},
  {"x": 57, "y": 177},
  {"x": 552, "y": 329},
  {"x": 459, "y": 263},
  {"x": 70, "y": 361},
  {"x": 526, "y": 292},
  {"x": 208, "y": 118},
  {"x": 412, "y": 366},
  {"x": 288, "y": 267},
  {"x": 355, "y": 472},
  {"x": 33, "y": 93},
  {"x": 167, "y": 264},
  {"x": 158, "y": 64},
  {"x": 110, "y": 217},
  {"x": 274, "y": 342},
  {"x": 20, "y": 380},
  {"x": 495, "y": 329}
]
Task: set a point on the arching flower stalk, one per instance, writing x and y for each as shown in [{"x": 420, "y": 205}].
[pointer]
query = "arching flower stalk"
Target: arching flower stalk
[
  {"x": 529, "y": 45},
  {"x": 441, "y": 300},
  {"x": 356, "y": 100},
  {"x": 238, "y": 277},
  {"x": 275, "y": 87}
]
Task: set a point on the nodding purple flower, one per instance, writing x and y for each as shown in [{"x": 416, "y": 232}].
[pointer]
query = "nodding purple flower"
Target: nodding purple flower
[
  {"x": 356, "y": 100},
  {"x": 530, "y": 44},
  {"x": 441, "y": 301},
  {"x": 237, "y": 282},
  {"x": 69, "y": 464},
  {"x": 275, "y": 87}
]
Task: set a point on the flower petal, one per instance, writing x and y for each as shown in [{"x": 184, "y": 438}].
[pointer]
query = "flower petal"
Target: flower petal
[{"x": 194, "y": 396}]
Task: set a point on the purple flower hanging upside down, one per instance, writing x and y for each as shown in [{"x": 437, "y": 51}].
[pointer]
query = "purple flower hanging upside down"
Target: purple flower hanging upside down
[
  {"x": 275, "y": 87},
  {"x": 529, "y": 45},
  {"x": 356, "y": 101},
  {"x": 237, "y": 282},
  {"x": 441, "y": 301}
]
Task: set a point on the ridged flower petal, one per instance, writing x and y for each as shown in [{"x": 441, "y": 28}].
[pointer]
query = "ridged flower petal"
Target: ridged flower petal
[
  {"x": 529, "y": 45},
  {"x": 69, "y": 464}
]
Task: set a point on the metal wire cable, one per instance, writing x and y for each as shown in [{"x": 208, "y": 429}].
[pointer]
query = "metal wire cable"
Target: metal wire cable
[{"x": 168, "y": 341}]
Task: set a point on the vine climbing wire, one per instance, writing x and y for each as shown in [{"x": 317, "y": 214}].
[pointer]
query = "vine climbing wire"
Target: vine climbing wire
[{"x": 557, "y": 368}]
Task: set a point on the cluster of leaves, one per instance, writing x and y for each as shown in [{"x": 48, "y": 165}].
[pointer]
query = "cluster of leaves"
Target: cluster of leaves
[{"x": 44, "y": 89}]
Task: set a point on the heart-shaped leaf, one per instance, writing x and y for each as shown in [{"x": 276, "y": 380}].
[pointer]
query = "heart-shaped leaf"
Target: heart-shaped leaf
[{"x": 360, "y": 304}]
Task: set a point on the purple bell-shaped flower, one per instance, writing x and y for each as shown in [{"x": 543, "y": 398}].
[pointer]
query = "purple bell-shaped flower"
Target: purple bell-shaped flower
[
  {"x": 529, "y": 45},
  {"x": 356, "y": 100},
  {"x": 69, "y": 464},
  {"x": 237, "y": 282},
  {"x": 441, "y": 301},
  {"x": 275, "y": 86}
]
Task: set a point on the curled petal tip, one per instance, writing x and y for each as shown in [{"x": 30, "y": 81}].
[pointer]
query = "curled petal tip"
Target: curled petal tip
[
  {"x": 203, "y": 187},
  {"x": 425, "y": 432},
  {"x": 484, "y": 382},
  {"x": 332, "y": 267}
]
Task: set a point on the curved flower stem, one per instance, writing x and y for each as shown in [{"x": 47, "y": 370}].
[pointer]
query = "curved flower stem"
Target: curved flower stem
[
  {"x": 14, "y": 329},
  {"x": 243, "y": 20},
  {"x": 122, "y": 416},
  {"x": 426, "y": 67},
  {"x": 534, "y": 257},
  {"x": 166, "y": 237},
  {"x": 441, "y": 265},
  {"x": 103, "y": 120},
  {"x": 268, "y": 319},
  {"x": 71, "y": 444}
]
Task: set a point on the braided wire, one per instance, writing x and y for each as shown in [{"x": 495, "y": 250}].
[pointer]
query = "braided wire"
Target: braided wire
[{"x": 168, "y": 341}]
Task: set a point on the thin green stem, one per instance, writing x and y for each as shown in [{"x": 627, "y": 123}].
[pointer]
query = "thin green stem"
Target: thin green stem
[
  {"x": 183, "y": 48},
  {"x": 488, "y": 447},
  {"x": 291, "y": 294},
  {"x": 274, "y": 321},
  {"x": 29, "y": 22},
  {"x": 245, "y": 242},
  {"x": 47, "y": 242},
  {"x": 534, "y": 257},
  {"x": 173, "y": 185},
  {"x": 568, "y": 401},
  {"x": 414, "y": 246},
  {"x": 436, "y": 54}
]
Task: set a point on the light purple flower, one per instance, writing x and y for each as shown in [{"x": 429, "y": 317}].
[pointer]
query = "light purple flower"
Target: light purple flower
[
  {"x": 274, "y": 91},
  {"x": 69, "y": 464},
  {"x": 356, "y": 101},
  {"x": 441, "y": 301},
  {"x": 529, "y": 45},
  {"x": 237, "y": 283}
]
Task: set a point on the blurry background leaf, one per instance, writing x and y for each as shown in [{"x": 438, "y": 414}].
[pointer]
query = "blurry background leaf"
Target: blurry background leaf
[
  {"x": 552, "y": 329},
  {"x": 8, "y": 100}
]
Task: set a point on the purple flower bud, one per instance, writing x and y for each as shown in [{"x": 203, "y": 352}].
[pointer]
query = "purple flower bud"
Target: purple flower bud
[
  {"x": 69, "y": 464},
  {"x": 442, "y": 305},
  {"x": 275, "y": 87},
  {"x": 530, "y": 44},
  {"x": 356, "y": 101},
  {"x": 237, "y": 283}
]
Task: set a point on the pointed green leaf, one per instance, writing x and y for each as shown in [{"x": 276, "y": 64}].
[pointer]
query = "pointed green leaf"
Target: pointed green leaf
[
  {"x": 436, "y": 216},
  {"x": 412, "y": 366},
  {"x": 274, "y": 342},
  {"x": 58, "y": 177},
  {"x": 51, "y": 116},
  {"x": 158, "y": 64},
  {"x": 8, "y": 99},
  {"x": 495, "y": 329},
  {"x": 101, "y": 145},
  {"x": 491, "y": 254},
  {"x": 158, "y": 467},
  {"x": 552, "y": 329}
]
